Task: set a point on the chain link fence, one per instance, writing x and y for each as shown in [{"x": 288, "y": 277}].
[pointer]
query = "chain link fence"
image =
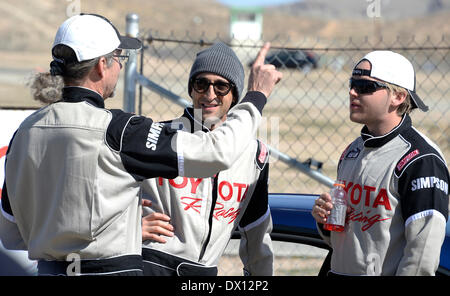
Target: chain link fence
[{"x": 306, "y": 116}]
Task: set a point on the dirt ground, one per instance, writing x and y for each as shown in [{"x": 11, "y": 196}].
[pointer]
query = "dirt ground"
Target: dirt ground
[{"x": 230, "y": 265}]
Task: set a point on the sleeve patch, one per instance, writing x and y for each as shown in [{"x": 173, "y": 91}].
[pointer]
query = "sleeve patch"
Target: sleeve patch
[
  {"x": 401, "y": 164},
  {"x": 262, "y": 155}
]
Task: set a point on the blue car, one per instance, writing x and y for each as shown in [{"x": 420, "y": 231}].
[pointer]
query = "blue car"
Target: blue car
[{"x": 293, "y": 222}]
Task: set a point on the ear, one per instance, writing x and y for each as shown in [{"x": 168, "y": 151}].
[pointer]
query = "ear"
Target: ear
[
  {"x": 398, "y": 98},
  {"x": 101, "y": 66}
]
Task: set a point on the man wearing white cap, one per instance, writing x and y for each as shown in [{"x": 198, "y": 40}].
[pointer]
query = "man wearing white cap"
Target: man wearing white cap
[
  {"x": 395, "y": 177},
  {"x": 74, "y": 168}
]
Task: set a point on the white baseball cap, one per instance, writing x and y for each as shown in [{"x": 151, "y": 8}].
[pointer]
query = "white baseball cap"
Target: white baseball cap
[
  {"x": 393, "y": 68},
  {"x": 91, "y": 36}
]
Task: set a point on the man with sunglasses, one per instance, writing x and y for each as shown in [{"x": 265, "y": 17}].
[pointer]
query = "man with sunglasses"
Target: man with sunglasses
[
  {"x": 395, "y": 177},
  {"x": 73, "y": 169},
  {"x": 204, "y": 212}
]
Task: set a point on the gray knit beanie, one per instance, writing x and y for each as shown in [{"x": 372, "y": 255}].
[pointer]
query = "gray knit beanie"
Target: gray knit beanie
[{"x": 221, "y": 60}]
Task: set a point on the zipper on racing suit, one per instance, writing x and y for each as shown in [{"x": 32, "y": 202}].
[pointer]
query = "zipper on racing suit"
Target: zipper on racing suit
[{"x": 211, "y": 214}]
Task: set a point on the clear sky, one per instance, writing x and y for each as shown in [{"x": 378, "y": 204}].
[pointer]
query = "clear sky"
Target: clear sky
[{"x": 255, "y": 2}]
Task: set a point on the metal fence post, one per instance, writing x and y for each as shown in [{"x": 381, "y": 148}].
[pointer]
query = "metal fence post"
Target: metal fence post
[{"x": 129, "y": 96}]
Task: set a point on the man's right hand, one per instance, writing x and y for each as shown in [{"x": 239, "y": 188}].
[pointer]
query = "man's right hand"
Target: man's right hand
[
  {"x": 322, "y": 208},
  {"x": 263, "y": 77},
  {"x": 155, "y": 225}
]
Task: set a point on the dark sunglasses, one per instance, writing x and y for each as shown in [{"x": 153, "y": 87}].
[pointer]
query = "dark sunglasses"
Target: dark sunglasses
[
  {"x": 363, "y": 86},
  {"x": 121, "y": 58},
  {"x": 221, "y": 88}
]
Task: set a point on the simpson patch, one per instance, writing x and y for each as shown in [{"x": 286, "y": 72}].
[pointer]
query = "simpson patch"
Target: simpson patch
[{"x": 262, "y": 155}]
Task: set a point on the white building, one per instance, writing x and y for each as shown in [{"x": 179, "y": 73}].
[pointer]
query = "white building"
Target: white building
[
  {"x": 246, "y": 28},
  {"x": 246, "y": 23}
]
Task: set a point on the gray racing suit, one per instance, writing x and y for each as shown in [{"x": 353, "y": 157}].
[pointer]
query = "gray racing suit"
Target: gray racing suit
[
  {"x": 206, "y": 211},
  {"x": 397, "y": 187},
  {"x": 73, "y": 176}
]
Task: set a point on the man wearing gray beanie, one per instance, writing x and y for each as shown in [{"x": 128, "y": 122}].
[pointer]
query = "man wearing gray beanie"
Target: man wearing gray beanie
[
  {"x": 219, "y": 59},
  {"x": 203, "y": 213}
]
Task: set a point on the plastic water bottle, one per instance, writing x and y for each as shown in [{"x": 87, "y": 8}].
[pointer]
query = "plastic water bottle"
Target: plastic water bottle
[{"x": 336, "y": 220}]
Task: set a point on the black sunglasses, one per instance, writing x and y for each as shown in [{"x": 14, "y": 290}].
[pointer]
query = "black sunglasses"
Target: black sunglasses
[
  {"x": 121, "y": 58},
  {"x": 364, "y": 86},
  {"x": 221, "y": 88}
]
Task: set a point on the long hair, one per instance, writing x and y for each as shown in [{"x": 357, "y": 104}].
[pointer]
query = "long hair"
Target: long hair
[{"x": 64, "y": 70}]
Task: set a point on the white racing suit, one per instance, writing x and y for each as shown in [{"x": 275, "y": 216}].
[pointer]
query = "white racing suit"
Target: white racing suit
[
  {"x": 397, "y": 187},
  {"x": 206, "y": 211},
  {"x": 73, "y": 176}
]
